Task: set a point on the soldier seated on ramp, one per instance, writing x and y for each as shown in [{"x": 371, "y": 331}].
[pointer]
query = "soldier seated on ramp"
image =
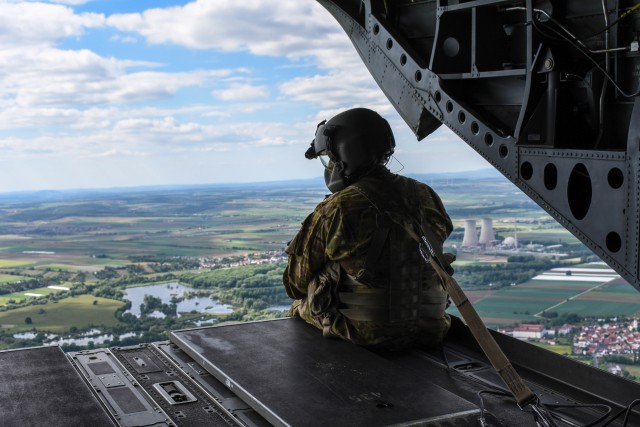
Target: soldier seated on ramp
[{"x": 354, "y": 268}]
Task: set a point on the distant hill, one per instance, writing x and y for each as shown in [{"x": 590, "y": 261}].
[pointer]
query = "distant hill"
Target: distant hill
[
  {"x": 488, "y": 173},
  {"x": 74, "y": 194}
]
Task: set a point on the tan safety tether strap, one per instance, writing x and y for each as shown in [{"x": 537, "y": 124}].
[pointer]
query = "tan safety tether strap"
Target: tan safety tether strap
[
  {"x": 433, "y": 255},
  {"x": 522, "y": 393}
]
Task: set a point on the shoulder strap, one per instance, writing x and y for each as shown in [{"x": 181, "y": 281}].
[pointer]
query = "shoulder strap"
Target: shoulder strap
[
  {"x": 377, "y": 241},
  {"x": 523, "y": 395},
  {"x": 382, "y": 232},
  {"x": 375, "y": 249}
]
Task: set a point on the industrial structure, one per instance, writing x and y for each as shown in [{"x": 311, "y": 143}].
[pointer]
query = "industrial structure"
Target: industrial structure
[
  {"x": 470, "y": 239},
  {"x": 487, "y": 237}
]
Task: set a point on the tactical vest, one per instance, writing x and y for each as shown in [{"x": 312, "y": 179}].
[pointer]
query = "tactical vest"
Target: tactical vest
[{"x": 394, "y": 284}]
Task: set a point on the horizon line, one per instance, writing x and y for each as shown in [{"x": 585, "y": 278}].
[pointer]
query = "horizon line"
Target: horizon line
[{"x": 435, "y": 175}]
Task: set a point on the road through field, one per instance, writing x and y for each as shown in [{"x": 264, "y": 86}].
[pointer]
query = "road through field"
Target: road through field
[{"x": 574, "y": 297}]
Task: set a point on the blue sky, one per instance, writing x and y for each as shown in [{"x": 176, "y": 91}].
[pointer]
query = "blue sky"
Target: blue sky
[{"x": 113, "y": 93}]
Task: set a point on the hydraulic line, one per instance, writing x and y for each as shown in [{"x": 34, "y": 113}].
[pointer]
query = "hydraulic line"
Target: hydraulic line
[
  {"x": 566, "y": 35},
  {"x": 605, "y": 82}
]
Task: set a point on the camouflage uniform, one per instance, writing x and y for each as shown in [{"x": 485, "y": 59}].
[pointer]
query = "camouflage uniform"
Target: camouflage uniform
[{"x": 331, "y": 249}]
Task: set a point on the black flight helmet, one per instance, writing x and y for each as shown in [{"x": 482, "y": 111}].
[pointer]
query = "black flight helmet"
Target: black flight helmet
[{"x": 350, "y": 145}]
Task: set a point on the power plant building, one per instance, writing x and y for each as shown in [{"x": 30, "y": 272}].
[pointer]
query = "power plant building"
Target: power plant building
[
  {"x": 470, "y": 239},
  {"x": 487, "y": 237}
]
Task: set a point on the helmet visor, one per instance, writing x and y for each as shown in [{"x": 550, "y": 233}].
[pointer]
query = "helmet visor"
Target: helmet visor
[
  {"x": 322, "y": 140},
  {"x": 326, "y": 161}
]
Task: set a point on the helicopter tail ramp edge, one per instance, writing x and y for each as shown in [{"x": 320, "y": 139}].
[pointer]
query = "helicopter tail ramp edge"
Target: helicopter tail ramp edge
[{"x": 284, "y": 373}]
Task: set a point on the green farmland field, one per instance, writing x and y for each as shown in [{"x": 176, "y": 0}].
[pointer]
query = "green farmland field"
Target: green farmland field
[
  {"x": 521, "y": 303},
  {"x": 148, "y": 234},
  {"x": 20, "y": 296},
  {"x": 559, "y": 349},
  {"x": 10, "y": 278},
  {"x": 599, "y": 308},
  {"x": 89, "y": 233},
  {"x": 61, "y": 316},
  {"x": 5, "y": 263}
]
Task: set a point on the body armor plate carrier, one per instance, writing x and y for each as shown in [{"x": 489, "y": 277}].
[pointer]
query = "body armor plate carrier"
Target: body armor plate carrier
[{"x": 394, "y": 284}]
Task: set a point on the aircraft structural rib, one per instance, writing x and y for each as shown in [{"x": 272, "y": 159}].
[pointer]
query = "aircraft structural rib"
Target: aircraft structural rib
[{"x": 538, "y": 88}]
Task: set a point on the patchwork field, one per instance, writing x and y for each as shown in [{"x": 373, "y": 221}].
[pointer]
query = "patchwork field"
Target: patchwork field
[
  {"x": 106, "y": 230},
  {"x": 63, "y": 239},
  {"x": 586, "y": 291}
]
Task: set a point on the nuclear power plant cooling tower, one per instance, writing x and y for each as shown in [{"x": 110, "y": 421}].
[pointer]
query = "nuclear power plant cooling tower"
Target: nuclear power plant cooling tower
[
  {"x": 486, "y": 232},
  {"x": 470, "y": 238}
]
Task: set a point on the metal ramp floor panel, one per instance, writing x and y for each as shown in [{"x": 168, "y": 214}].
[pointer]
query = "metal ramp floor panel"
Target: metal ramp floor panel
[
  {"x": 289, "y": 374},
  {"x": 39, "y": 386}
]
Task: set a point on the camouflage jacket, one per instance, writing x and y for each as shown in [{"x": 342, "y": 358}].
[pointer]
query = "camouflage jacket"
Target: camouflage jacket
[{"x": 333, "y": 244}]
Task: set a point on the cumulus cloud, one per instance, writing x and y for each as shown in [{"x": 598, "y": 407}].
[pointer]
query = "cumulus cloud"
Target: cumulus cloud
[
  {"x": 58, "y": 102},
  {"x": 93, "y": 118},
  {"x": 303, "y": 32},
  {"x": 29, "y": 24},
  {"x": 242, "y": 92},
  {"x": 147, "y": 134},
  {"x": 293, "y": 29},
  {"x": 335, "y": 89},
  {"x": 36, "y": 77},
  {"x": 71, "y": 2},
  {"x": 167, "y": 126},
  {"x": 36, "y": 73},
  {"x": 124, "y": 39}
]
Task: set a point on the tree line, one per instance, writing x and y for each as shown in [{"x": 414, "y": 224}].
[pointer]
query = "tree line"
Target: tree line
[{"x": 518, "y": 269}]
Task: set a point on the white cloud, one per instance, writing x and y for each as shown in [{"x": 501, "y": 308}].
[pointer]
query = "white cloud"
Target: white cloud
[
  {"x": 154, "y": 85},
  {"x": 63, "y": 109},
  {"x": 71, "y": 2},
  {"x": 48, "y": 76},
  {"x": 303, "y": 32},
  {"x": 167, "y": 129},
  {"x": 28, "y": 24},
  {"x": 124, "y": 39},
  {"x": 338, "y": 88},
  {"x": 286, "y": 28},
  {"x": 242, "y": 92},
  {"x": 142, "y": 133}
]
